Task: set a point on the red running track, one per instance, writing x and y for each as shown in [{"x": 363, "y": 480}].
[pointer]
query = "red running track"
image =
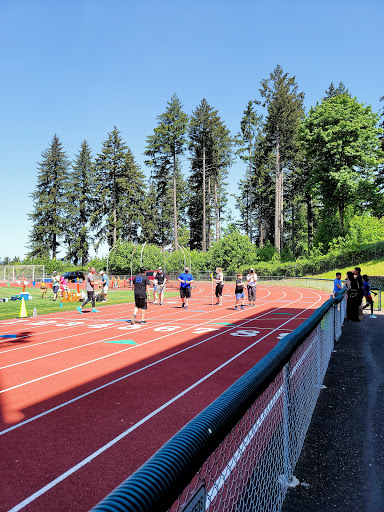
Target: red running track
[{"x": 86, "y": 399}]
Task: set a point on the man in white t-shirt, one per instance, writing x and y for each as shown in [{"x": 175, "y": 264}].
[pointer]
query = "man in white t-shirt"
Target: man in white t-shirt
[{"x": 251, "y": 286}]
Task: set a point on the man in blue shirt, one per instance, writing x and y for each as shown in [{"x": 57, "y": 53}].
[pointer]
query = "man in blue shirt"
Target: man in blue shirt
[
  {"x": 185, "y": 287},
  {"x": 337, "y": 286},
  {"x": 104, "y": 284}
]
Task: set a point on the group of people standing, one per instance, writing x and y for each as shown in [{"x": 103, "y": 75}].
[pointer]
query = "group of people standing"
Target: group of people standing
[
  {"x": 59, "y": 284},
  {"x": 358, "y": 287},
  {"x": 240, "y": 288}
]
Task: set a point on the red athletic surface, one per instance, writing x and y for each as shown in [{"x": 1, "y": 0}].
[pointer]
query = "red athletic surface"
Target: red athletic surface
[{"x": 79, "y": 415}]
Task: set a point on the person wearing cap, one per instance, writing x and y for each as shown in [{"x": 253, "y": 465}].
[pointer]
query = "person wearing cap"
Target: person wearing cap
[
  {"x": 185, "y": 287},
  {"x": 251, "y": 286},
  {"x": 160, "y": 281},
  {"x": 104, "y": 285}
]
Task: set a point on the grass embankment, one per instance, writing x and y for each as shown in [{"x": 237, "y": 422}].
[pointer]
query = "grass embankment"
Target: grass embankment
[
  {"x": 371, "y": 268},
  {"x": 11, "y": 309}
]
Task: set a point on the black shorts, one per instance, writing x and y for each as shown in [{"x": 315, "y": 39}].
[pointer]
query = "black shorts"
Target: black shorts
[
  {"x": 140, "y": 302},
  {"x": 185, "y": 293}
]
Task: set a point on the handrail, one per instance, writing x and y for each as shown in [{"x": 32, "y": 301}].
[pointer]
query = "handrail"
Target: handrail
[{"x": 159, "y": 481}]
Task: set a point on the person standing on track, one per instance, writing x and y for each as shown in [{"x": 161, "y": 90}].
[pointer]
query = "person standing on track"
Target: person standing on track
[
  {"x": 251, "y": 286},
  {"x": 141, "y": 289},
  {"x": 104, "y": 285},
  {"x": 239, "y": 291},
  {"x": 90, "y": 289},
  {"x": 219, "y": 285},
  {"x": 160, "y": 280},
  {"x": 185, "y": 287}
]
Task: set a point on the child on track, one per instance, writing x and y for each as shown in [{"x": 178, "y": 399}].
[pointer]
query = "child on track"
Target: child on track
[
  {"x": 239, "y": 292},
  {"x": 367, "y": 295}
]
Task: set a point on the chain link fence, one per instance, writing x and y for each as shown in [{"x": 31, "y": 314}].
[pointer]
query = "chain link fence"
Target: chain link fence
[{"x": 239, "y": 454}]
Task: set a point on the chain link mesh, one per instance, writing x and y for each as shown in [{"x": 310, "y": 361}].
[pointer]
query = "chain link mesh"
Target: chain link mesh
[{"x": 253, "y": 467}]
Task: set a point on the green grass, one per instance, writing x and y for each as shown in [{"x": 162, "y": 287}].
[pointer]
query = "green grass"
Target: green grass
[
  {"x": 371, "y": 268},
  {"x": 11, "y": 309}
]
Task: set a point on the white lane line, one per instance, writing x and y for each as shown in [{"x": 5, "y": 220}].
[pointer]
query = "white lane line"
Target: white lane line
[
  {"x": 131, "y": 347},
  {"x": 137, "y": 371},
  {"x": 108, "y": 445},
  {"x": 93, "y": 342}
]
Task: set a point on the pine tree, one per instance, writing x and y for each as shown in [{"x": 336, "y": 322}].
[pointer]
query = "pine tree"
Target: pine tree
[
  {"x": 285, "y": 109},
  {"x": 120, "y": 191},
  {"x": 333, "y": 91},
  {"x": 211, "y": 148},
  {"x": 164, "y": 147},
  {"x": 81, "y": 200},
  {"x": 50, "y": 202},
  {"x": 250, "y": 125}
]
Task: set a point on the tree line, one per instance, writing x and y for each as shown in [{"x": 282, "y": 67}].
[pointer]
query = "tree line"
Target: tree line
[{"x": 306, "y": 177}]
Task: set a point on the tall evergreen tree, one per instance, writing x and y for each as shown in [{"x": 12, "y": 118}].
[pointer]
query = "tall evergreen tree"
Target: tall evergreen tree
[
  {"x": 120, "y": 189},
  {"x": 81, "y": 199},
  {"x": 50, "y": 202},
  {"x": 285, "y": 109},
  {"x": 164, "y": 147},
  {"x": 211, "y": 149},
  {"x": 249, "y": 127}
]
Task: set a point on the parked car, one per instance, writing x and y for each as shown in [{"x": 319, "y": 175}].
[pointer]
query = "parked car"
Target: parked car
[{"x": 73, "y": 276}]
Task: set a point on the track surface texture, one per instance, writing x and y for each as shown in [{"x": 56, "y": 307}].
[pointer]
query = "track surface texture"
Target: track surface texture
[{"x": 86, "y": 399}]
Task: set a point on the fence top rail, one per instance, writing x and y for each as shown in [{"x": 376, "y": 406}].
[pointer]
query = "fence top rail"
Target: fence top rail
[{"x": 159, "y": 481}]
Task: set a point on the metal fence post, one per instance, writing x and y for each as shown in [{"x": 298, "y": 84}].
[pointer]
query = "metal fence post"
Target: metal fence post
[{"x": 286, "y": 424}]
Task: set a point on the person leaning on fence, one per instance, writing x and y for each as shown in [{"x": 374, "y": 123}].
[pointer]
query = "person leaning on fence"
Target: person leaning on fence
[
  {"x": 360, "y": 292},
  {"x": 352, "y": 298},
  {"x": 367, "y": 294},
  {"x": 251, "y": 286},
  {"x": 219, "y": 285},
  {"x": 337, "y": 284},
  {"x": 90, "y": 289}
]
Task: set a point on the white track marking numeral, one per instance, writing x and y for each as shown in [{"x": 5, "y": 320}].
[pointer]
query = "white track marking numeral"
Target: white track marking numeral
[
  {"x": 167, "y": 328},
  {"x": 129, "y": 327},
  {"x": 248, "y": 333},
  {"x": 99, "y": 326},
  {"x": 281, "y": 335}
]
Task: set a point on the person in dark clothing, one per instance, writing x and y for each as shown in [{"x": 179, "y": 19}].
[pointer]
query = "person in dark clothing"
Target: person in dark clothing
[
  {"x": 352, "y": 298},
  {"x": 367, "y": 294},
  {"x": 360, "y": 291},
  {"x": 141, "y": 288}
]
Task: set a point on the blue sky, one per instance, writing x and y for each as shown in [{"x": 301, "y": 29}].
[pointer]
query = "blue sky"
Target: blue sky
[{"x": 78, "y": 68}]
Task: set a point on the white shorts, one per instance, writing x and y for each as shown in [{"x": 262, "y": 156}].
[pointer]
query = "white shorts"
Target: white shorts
[{"x": 105, "y": 289}]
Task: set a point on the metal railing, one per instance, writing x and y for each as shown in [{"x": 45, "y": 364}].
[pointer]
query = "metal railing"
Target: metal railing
[{"x": 239, "y": 454}]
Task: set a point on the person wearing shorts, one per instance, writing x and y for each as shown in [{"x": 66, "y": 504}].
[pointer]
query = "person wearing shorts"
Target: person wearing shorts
[
  {"x": 104, "y": 285},
  {"x": 251, "y": 286},
  {"x": 90, "y": 289},
  {"x": 160, "y": 281},
  {"x": 55, "y": 284},
  {"x": 367, "y": 294},
  {"x": 219, "y": 285},
  {"x": 185, "y": 280},
  {"x": 141, "y": 289},
  {"x": 239, "y": 292}
]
